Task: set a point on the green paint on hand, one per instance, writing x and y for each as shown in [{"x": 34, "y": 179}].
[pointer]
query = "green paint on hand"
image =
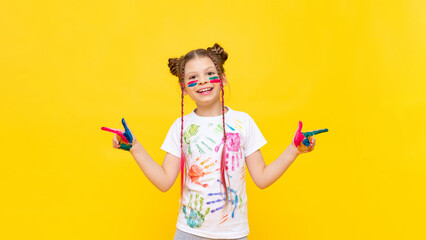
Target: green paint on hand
[
  {"x": 125, "y": 147},
  {"x": 312, "y": 133}
]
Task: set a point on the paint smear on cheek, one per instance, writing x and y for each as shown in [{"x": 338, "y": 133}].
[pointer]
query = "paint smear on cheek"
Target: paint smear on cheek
[
  {"x": 192, "y": 83},
  {"x": 214, "y": 79}
]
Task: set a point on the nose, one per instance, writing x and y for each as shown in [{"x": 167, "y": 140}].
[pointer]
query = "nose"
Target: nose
[{"x": 203, "y": 80}]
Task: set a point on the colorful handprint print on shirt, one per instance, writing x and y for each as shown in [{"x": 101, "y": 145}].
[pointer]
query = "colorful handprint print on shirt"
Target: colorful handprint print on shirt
[
  {"x": 233, "y": 150},
  {"x": 198, "y": 142},
  {"x": 190, "y": 132},
  {"x": 197, "y": 171},
  {"x": 233, "y": 199},
  {"x": 195, "y": 217}
]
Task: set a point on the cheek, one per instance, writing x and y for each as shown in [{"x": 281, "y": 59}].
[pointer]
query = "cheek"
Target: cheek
[
  {"x": 214, "y": 79},
  {"x": 192, "y": 83}
]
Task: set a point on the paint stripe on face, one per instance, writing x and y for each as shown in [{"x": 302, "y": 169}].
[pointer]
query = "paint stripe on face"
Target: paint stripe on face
[
  {"x": 214, "y": 79},
  {"x": 192, "y": 83}
]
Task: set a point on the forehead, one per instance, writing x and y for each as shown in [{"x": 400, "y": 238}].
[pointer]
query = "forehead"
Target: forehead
[{"x": 198, "y": 65}]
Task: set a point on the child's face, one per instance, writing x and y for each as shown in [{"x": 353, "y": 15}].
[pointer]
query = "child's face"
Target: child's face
[{"x": 201, "y": 81}]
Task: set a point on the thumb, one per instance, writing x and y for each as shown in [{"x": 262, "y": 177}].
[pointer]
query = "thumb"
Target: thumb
[{"x": 298, "y": 136}]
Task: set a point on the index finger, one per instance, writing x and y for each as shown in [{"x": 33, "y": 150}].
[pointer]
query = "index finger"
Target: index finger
[
  {"x": 312, "y": 133},
  {"x": 119, "y": 132}
]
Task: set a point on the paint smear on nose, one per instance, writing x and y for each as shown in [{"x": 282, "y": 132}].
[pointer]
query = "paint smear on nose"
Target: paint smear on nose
[
  {"x": 192, "y": 83},
  {"x": 214, "y": 79}
]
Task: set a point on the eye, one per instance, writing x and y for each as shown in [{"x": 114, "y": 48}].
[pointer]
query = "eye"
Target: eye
[
  {"x": 211, "y": 73},
  {"x": 191, "y": 77}
]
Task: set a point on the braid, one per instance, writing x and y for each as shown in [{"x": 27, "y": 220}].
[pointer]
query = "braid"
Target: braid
[
  {"x": 223, "y": 167},
  {"x": 182, "y": 154}
]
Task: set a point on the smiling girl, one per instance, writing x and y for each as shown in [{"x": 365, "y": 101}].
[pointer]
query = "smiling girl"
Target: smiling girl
[{"x": 211, "y": 147}]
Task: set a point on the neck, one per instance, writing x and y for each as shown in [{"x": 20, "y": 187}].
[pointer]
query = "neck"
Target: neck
[{"x": 210, "y": 111}]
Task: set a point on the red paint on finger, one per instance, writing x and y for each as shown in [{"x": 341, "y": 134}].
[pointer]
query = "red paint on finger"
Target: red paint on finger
[{"x": 118, "y": 132}]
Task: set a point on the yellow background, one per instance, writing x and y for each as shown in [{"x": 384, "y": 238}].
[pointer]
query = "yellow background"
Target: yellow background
[{"x": 67, "y": 68}]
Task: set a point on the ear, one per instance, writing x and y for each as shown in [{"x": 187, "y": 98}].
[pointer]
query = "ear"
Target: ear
[{"x": 224, "y": 80}]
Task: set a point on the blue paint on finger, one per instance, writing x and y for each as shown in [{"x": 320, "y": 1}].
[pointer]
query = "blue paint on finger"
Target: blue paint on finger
[
  {"x": 306, "y": 142},
  {"x": 127, "y": 132}
]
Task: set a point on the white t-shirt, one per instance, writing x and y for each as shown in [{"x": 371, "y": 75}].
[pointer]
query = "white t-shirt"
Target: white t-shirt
[{"x": 202, "y": 212}]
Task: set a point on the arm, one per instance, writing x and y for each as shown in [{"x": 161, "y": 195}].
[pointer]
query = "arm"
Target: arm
[
  {"x": 163, "y": 176},
  {"x": 262, "y": 175}
]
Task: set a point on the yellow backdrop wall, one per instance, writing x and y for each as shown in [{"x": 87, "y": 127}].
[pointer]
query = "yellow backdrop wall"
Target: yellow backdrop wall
[{"x": 68, "y": 68}]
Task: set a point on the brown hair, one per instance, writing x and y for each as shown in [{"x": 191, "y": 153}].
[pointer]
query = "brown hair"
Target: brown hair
[{"x": 177, "y": 68}]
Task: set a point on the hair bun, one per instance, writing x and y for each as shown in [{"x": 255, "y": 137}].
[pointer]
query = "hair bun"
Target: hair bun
[
  {"x": 218, "y": 50},
  {"x": 174, "y": 66}
]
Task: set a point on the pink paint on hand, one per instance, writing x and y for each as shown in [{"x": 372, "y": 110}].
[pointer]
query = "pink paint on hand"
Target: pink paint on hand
[
  {"x": 298, "y": 136},
  {"x": 118, "y": 132}
]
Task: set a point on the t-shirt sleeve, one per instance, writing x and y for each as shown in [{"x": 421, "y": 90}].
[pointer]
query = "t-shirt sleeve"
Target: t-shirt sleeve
[
  {"x": 255, "y": 139},
  {"x": 172, "y": 142}
]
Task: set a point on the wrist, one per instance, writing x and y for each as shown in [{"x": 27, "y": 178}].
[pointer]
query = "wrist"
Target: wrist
[
  {"x": 135, "y": 146},
  {"x": 293, "y": 150}
]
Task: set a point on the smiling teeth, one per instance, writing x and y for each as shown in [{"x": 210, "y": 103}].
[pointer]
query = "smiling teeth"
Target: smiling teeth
[{"x": 206, "y": 89}]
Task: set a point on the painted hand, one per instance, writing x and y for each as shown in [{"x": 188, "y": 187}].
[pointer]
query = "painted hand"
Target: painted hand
[
  {"x": 305, "y": 142},
  {"x": 123, "y": 139}
]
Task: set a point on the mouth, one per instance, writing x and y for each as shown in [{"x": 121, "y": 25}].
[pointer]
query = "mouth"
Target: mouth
[{"x": 205, "y": 91}]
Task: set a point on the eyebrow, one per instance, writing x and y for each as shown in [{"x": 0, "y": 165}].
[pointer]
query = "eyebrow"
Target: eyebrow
[{"x": 204, "y": 70}]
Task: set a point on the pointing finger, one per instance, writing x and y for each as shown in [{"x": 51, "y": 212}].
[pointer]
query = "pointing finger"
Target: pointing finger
[
  {"x": 116, "y": 131},
  {"x": 312, "y": 133}
]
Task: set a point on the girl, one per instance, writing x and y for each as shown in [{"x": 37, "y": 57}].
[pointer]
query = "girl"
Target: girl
[{"x": 210, "y": 147}]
